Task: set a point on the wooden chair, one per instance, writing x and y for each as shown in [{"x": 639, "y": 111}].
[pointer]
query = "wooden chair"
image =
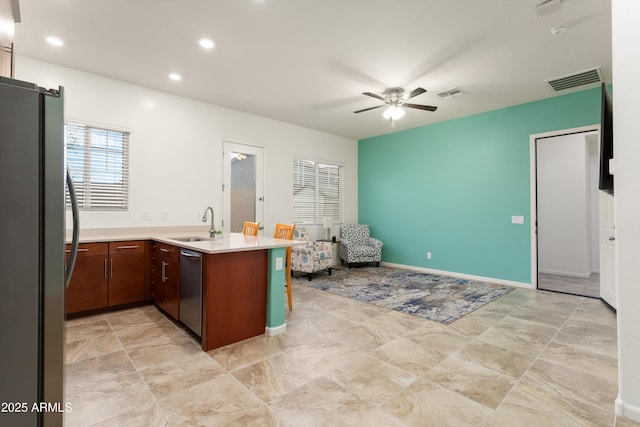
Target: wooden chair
[
  {"x": 285, "y": 231},
  {"x": 250, "y": 228}
]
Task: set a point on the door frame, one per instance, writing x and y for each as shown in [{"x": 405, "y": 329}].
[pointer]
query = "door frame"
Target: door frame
[
  {"x": 534, "y": 188},
  {"x": 260, "y": 151}
]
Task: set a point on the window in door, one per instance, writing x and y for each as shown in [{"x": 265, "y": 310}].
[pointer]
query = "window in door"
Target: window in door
[{"x": 242, "y": 185}]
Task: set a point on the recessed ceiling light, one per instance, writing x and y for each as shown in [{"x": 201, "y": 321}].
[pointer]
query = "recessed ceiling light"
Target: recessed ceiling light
[
  {"x": 175, "y": 77},
  {"x": 54, "y": 41},
  {"x": 206, "y": 43}
]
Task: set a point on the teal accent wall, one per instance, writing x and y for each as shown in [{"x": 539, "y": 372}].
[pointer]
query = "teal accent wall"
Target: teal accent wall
[
  {"x": 451, "y": 188},
  {"x": 275, "y": 289}
]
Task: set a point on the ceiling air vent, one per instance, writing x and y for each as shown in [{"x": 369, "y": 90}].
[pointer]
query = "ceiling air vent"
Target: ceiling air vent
[
  {"x": 456, "y": 91},
  {"x": 576, "y": 80}
]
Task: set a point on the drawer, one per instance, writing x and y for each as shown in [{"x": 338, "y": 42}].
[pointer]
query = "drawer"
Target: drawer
[
  {"x": 91, "y": 249},
  {"x": 165, "y": 250},
  {"x": 126, "y": 247}
]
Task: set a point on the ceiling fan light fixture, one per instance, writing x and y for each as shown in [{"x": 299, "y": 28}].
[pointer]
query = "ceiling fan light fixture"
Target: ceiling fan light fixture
[
  {"x": 206, "y": 43},
  {"x": 394, "y": 112}
]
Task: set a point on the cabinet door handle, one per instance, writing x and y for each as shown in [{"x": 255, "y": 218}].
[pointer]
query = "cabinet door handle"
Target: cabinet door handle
[
  {"x": 111, "y": 268},
  {"x": 105, "y": 268},
  {"x": 165, "y": 250},
  {"x": 79, "y": 250},
  {"x": 164, "y": 271},
  {"x": 128, "y": 247}
]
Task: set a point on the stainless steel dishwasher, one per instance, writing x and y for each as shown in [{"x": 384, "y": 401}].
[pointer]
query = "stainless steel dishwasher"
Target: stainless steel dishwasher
[{"x": 191, "y": 290}]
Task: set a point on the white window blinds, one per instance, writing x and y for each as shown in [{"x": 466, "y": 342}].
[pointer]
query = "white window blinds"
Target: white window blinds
[
  {"x": 98, "y": 160},
  {"x": 317, "y": 191}
]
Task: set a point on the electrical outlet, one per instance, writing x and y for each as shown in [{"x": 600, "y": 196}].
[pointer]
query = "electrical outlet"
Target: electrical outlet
[
  {"x": 146, "y": 216},
  {"x": 517, "y": 219},
  {"x": 164, "y": 216},
  {"x": 428, "y": 255},
  {"x": 279, "y": 263}
]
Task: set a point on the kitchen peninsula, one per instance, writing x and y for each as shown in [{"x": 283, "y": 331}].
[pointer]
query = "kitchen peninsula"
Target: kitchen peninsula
[{"x": 242, "y": 277}]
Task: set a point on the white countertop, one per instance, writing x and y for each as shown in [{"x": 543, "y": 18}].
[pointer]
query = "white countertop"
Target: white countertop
[{"x": 229, "y": 242}]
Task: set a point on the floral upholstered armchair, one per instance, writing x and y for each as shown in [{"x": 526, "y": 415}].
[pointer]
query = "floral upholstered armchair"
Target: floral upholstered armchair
[
  {"x": 312, "y": 257},
  {"x": 357, "y": 245}
]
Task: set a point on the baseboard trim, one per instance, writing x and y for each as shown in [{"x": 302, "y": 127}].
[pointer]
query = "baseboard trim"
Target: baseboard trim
[
  {"x": 567, "y": 273},
  {"x": 459, "y": 275},
  {"x": 627, "y": 411},
  {"x": 270, "y": 332}
]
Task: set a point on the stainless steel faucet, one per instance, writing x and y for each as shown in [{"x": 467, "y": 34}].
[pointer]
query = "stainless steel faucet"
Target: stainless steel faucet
[{"x": 212, "y": 230}]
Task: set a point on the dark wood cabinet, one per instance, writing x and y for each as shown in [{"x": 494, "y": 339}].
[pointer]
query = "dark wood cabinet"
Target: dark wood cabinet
[
  {"x": 108, "y": 274},
  {"x": 166, "y": 278},
  {"x": 235, "y": 297},
  {"x": 126, "y": 272},
  {"x": 89, "y": 286},
  {"x": 117, "y": 273}
]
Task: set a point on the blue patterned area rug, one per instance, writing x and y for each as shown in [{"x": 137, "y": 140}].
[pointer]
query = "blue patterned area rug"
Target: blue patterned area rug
[{"x": 439, "y": 298}]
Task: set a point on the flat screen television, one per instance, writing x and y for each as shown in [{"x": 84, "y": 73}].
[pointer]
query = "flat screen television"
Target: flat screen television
[{"x": 606, "y": 142}]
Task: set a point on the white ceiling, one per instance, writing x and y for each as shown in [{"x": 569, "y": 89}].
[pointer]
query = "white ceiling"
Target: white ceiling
[{"x": 306, "y": 62}]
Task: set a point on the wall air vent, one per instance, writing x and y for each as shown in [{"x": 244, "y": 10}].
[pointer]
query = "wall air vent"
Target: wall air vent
[
  {"x": 456, "y": 91},
  {"x": 576, "y": 80}
]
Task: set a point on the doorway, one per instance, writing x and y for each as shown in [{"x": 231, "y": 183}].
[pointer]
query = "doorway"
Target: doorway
[
  {"x": 242, "y": 189},
  {"x": 566, "y": 202}
]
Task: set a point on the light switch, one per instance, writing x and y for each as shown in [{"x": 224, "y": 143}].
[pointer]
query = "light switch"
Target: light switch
[
  {"x": 279, "y": 263},
  {"x": 517, "y": 219}
]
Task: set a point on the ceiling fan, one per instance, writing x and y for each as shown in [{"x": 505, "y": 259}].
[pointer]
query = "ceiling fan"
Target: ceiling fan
[{"x": 395, "y": 98}]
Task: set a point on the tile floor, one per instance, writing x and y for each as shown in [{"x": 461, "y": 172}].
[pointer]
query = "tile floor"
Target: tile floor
[
  {"x": 531, "y": 358},
  {"x": 573, "y": 285}
]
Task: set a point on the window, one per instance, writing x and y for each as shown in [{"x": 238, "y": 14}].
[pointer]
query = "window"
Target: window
[
  {"x": 317, "y": 191},
  {"x": 98, "y": 160}
]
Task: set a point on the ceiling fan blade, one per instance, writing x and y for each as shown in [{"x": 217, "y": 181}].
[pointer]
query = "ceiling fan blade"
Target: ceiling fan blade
[
  {"x": 374, "y": 96},
  {"x": 417, "y": 91},
  {"x": 370, "y": 108},
  {"x": 420, "y": 107}
]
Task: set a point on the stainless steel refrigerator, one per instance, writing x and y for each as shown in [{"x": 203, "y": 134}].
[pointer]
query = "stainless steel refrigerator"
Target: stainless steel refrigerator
[{"x": 32, "y": 255}]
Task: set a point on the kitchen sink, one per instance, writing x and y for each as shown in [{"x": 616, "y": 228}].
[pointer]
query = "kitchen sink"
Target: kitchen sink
[{"x": 192, "y": 239}]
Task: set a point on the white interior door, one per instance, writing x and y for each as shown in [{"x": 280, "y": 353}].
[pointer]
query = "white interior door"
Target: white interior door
[
  {"x": 607, "y": 239},
  {"x": 594, "y": 216},
  {"x": 243, "y": 188}
]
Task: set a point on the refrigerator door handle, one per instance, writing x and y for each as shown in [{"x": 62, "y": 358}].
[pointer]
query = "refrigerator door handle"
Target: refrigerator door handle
[{"x": 75, "y": 241}]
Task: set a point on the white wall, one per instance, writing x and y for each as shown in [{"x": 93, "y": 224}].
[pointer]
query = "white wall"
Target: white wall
[
  {"x": 564, "y": 206},
  {"x": 626, "y": 111},
  {"x": 176, "y": 147}
]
